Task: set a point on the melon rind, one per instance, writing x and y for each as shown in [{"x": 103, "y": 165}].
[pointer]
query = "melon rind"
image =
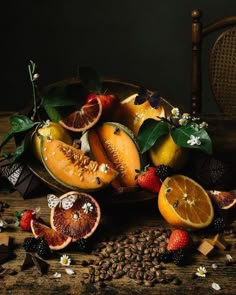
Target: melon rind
[{"x": 123, "y": 144}]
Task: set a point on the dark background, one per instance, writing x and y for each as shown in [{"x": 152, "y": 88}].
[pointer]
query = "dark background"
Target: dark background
[{"x": 144, "y": 41}]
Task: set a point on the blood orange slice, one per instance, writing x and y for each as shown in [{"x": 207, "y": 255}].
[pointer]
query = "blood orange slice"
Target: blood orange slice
[
  {"x": 55, "y": 240},
  {"x": 79, "y": 221},
  {"x": 84, "y": 118}
]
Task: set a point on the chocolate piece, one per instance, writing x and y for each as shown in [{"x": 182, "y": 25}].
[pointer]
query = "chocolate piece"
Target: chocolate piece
[
  {"x": 32, "y": 259},
  {"x": 20, "y": 176}
]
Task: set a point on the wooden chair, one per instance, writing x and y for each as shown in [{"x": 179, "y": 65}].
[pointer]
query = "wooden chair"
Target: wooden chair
[{"x": 221, "y": 63}]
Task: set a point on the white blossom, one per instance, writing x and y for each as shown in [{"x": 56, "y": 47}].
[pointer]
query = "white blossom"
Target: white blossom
[
  {"x": 201, "y": 272},
  {"x": 87, "y": 207},
  {"x": 183, "y": 121},
  {"x": 175, "y": 112},
  {"x": 203, "y": 125},
  {"x": 194, "y": 140},
  {"x": 65, "y": 260},
  {"x": 186, "y": 116}
]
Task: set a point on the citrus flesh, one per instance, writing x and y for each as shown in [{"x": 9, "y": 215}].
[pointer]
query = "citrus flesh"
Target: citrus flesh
[
  {"x": 133, "y": 115},
  {"x": 55, "y": 240},
  {"x": 79, "y": 221},
  {"x": 84, "y": 118},
  {"x": 184, "y": 203},
  {"x": 53, "y": 131},
  {"x": 166, "y": 152}
]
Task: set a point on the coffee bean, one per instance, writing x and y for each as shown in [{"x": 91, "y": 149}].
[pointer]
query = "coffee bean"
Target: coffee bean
[
  {"x": 139, "y": 282},
  {"x": 177, "y": 281},
  {"x": 85, "y": 275},
  {"x": 101, "y": 284}
]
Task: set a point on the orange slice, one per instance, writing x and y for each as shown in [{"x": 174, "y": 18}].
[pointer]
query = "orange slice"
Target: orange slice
[
  {"x": 184, "y": 203},
  {"x": 84, "y": 118},
  {"x": 78, "y": 221},
  {"x": 55, "y": 240}
]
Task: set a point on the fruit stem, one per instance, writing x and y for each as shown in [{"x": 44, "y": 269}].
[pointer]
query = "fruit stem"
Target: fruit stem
[{"x": 33, "y": 76}]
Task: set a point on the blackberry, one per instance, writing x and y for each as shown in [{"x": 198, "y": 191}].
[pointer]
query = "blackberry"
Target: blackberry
[
  {"x": 43, "y": 249},
  {"x": 81, "y": 245},
  {"x": 180, "y": 257},
  {"x": 166, "y": 256},
  {"x": 30, "y": 244},
  {"x": 219, "y": 224},
  {"x": 163, "y": 171}
]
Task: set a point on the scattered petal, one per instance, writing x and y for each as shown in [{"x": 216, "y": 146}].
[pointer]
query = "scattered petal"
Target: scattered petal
[
  {"x": 57, "y": 275},
  {"x": 69, "y": 271},
  {"x": 65, "y": 260},
  {"x": 216, "y": 286},
  {"x": 214, "y": 266},
  {"x": 229, "y": 258},
  {"x": 201, "y": 272}
]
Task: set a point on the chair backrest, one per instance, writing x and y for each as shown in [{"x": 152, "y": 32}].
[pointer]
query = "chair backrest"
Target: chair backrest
[{"x": 221, "y": 63}]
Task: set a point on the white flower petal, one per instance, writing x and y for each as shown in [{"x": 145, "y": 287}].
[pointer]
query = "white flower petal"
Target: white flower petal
[
  {"x": 214, "y": 266},
  {"x": 57, "y": 275},
  {"x": 69, "y": 271},
  {"x": 229, "y": 257},
  {"x": 216, "y": 286}
]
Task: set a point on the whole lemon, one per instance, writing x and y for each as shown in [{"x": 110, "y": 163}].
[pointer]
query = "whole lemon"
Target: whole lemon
[
  {"x": 166, "y": 152},
  {"x": 52, "y": 130}
]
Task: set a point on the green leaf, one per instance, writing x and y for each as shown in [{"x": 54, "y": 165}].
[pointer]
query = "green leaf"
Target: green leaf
[
  {"x": 53, "y": 114},
  {"x": 90, "y": 79},
  {"x": 149, "y": 132},
  {"x": 19, "y": 123},
  {"x": 182, "y": 134},
  {"x": 58, "y": 97}
]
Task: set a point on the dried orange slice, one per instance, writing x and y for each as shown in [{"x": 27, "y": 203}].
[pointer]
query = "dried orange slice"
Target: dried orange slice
[
  {"x": 184, "y": 203},
  {"x": 78, "y": 221},
  {"x": 84, "y": 118}
]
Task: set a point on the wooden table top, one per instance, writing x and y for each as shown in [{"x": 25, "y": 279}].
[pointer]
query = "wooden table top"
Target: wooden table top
[{"x": 118, "y": 220}]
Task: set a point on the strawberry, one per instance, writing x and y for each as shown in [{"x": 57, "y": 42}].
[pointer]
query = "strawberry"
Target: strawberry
[
  {"x": 109, "y": 103},
  {"x": 148, "y": 180},
  {"x": 24, "y": 218},
  {"x": 179, "y": 239}
]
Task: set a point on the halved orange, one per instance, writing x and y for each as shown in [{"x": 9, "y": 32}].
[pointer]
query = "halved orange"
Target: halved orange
[
  {"x": 184, "y": 203},
  {"x": 84, "y": 118},
  {"x": 133, "y": 115},
  {"x": 78, "y": 221}
]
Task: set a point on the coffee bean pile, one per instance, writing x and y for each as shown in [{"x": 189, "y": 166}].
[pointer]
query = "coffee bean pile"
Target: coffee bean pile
[{"x": 135, "y": 256}]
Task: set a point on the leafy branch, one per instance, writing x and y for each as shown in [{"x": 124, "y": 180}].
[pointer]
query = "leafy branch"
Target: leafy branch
[{"x": 186, "y": 131}]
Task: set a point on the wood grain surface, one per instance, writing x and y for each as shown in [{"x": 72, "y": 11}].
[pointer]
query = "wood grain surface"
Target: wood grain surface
[{"x": 117, "y": 220}]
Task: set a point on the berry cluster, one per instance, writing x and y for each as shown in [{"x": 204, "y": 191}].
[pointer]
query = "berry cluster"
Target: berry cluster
[
  {"x": 179, "y": 257},
  {"x": 163, "y": 171},
  {"x": 37, "y": 245},
  {"x": 81, "y": 245},
  {"x": 219, "y": 224}
]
